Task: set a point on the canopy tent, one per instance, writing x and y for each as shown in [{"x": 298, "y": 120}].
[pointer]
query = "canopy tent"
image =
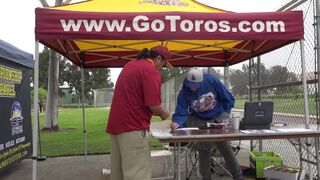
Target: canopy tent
[
  {"x": 11, "y": 53},
  {"x": 103, "y": 33},
  {"x": 100, "y": 33},
  {"x": 15, "y": 105}
]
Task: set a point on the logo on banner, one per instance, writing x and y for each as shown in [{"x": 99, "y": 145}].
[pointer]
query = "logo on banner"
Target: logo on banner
[
  {"x": 167, "y": 2},
  {"x": 16, "y": 118},
  {"x": 9, "y": 77}
]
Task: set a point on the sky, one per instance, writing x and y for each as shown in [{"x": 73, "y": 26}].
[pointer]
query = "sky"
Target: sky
[{"x": 17, "y": 19}]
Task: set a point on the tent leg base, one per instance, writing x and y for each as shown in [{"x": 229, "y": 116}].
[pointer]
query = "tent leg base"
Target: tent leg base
[{"x": 41, "y": 158}]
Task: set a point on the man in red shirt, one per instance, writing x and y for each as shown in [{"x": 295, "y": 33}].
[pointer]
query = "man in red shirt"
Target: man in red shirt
[{"x": 137, "y": 96}]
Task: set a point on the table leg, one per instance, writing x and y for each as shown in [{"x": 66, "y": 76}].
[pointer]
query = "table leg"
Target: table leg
[
  {"x": 186, "y": 159},
  {"x": 300, "y": 158},
  {"x": 308, "y": 158},
  {"x": 179, "y": 153},
  {"x": 260, "y": 145},
  {"x": 174, "y": 161},
  {"x": 316, "y": 140}
]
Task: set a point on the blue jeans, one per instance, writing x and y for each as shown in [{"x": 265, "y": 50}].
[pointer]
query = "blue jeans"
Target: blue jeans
[{"x": 204, "y": 148}]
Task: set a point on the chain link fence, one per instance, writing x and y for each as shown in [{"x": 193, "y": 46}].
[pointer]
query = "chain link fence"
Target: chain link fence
[
  {"x": 285, "y": 89},
  {"x": 288, "y": 90},
  {"x": 102, "y": 97}
]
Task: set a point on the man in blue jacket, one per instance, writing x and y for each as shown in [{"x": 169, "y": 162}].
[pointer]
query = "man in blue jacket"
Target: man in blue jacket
[{"x": 203, "y": 98}]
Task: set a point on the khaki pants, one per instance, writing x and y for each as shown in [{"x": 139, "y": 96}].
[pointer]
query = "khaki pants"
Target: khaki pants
[{"x": 130, "y": 156}]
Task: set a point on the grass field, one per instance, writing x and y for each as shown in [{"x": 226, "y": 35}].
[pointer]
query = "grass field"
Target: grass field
[
  {"x": 293, "y": 106},
  {"x": 69, "y": 141}
]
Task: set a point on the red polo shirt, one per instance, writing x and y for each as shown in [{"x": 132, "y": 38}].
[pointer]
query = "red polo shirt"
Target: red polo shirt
[{"x": 138, "y": 87}]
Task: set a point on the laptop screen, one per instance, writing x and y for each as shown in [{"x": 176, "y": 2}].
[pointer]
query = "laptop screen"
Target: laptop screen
[{"x": 258, "y": 112}]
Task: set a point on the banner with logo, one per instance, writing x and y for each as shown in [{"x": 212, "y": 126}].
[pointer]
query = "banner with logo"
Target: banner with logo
[
  {"x": 170, "y": 25},
  {"x": 15, "y": 114}
]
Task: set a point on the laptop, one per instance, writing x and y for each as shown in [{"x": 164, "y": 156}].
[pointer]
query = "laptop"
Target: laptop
[{"x": 257, "y": 115}]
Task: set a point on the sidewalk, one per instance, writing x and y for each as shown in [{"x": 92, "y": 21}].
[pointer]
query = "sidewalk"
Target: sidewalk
[{"x": 77, "y": 168}]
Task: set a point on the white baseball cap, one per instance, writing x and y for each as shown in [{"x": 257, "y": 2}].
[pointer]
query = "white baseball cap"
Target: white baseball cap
[{"x": 194, "y": 78}]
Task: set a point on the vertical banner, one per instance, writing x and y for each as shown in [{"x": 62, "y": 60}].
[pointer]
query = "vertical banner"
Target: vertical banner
[{"x": 15, "y": 114}]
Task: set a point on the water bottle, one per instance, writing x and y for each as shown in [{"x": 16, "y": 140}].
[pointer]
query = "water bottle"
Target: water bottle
[{"x": 235, "y": 116}]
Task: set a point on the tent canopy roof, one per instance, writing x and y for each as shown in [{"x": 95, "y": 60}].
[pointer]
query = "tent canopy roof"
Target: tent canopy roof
[
  {"x": 128, "y": 6},
  {"x": 14, "y": 54},
  {"x": 100, "y": 33}
]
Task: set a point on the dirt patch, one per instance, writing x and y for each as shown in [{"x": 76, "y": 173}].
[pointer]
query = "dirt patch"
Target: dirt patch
[{"x": 50, "y": 130}]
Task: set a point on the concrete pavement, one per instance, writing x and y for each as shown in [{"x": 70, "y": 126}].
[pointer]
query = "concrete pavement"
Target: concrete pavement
[{"x": 77, "y": 168}]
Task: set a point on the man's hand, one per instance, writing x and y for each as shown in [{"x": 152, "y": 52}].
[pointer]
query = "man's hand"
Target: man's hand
[
  {"x": 174, "y": 126},
  {"x": 165, "y": 115}
]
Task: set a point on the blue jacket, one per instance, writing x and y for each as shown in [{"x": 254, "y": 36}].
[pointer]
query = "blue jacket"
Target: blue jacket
[{"x": 211, "y": 99}]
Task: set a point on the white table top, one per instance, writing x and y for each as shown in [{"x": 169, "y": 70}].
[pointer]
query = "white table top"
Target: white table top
[{"x": 162, "y": 132}]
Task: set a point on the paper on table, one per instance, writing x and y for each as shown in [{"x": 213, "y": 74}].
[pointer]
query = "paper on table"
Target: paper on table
[
  {"x": 294, "y": 130},
  {"x": 267, "y": 130},
  {"x": 249, "y": 131},
  {"x": 187, "y": 128},
  {"x": 257, "y": 131}
]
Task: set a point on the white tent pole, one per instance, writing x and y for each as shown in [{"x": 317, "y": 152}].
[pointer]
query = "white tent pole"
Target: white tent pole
[
  {"x": 227, "y": 77},
  {"x": 305, "y": 86},
  {"x": 83, "y": 115},
  {"x": 35, "y": 112},
  {"x": 291, "y": 5},
  {"x": 306, "y": 101},
  {"x": 287, "y": 5}
]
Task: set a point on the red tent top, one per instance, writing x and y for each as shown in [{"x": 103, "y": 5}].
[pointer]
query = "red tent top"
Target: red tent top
[{"x": 103, "y": 33}]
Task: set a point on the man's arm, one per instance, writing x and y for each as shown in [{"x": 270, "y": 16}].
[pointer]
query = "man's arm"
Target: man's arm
[
  {"x": 159, "y": 111},
  {"x": 181, "y": 112},
  {"x": 152, "y": 93}
]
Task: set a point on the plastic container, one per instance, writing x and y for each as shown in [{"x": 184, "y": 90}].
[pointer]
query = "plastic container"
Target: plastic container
[
  {"x": 215, "y": 125},
  {"x": 283, "y": 173},
  {"x": 259, "y": 160}
]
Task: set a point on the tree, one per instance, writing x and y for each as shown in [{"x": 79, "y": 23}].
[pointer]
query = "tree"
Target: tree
[
  {"x": 51, "y": 120},
  {"x": 94, "y": 79},
  {"x": 42, "y": 98},
  {"x": 215, "y": 72},
  {"x": 239, "y": 83},
  {"x": 101, "y": 78},
  {"x": 169, "y": 74},
  {"x": 255, "y": 74},
  {"x": 73, "y": 73},
  {"x": 43, "y": 68},
  {"x": 280, "y": 74}
]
